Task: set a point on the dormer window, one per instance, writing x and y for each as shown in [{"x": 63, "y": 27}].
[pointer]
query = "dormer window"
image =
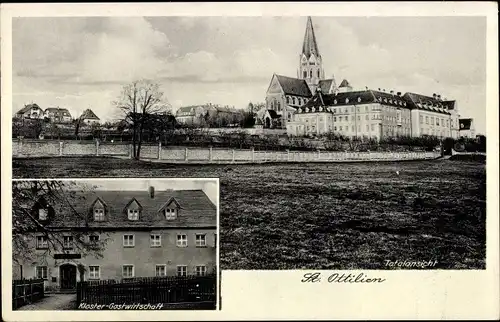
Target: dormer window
[
  {"x": 98, "y": 214},
  {"x": 133, "y": 214},
  {"x": 170, "y": 213}
]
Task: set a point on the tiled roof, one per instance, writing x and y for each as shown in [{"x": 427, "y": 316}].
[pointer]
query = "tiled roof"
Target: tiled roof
[
  {"x": 28, "y": 107},
  {"x": 185, "y": 109},
  {"x": 294, "y": 86},
  {"x": 196, "y": 210},
  {"x": 89, "y": 114},
  {"x": 57, "y": 109},
  {"x": 422, "y": 102},
  {"x": 369, "y": 96},
  {"x": 310, "y": 46}
]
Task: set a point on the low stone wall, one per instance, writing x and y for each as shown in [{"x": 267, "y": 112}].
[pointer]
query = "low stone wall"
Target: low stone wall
[{"x": 40, "y": 148}]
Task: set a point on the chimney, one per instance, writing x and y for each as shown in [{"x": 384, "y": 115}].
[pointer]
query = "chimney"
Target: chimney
[{"x": 151, "y": 192}]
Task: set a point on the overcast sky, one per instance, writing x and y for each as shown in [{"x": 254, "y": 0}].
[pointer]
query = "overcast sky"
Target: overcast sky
[
  {"x": 81, "y": 63},
  {"x": 209, "y": 186}
]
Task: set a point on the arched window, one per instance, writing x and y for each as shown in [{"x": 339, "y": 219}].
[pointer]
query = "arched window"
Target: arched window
[
  {"x": 318, "y": 73},
  {"x": 311, "y": 73},
  {"x": 293, "y": 100},
  {"x": 305, "y": 74},
  {"x": 279, "y": 106},
  {"x": 300, "y": 101},
  {"x": 288, "y": 99}
]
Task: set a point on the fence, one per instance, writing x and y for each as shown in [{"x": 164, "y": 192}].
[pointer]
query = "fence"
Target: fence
[
  {"x": 202, "y": 154},
  {"x": 171, "y": 289},
  {"x": 26, "y": 291}
]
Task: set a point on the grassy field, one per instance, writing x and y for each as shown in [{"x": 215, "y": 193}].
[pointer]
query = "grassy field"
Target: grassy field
[{"x": 329, "y": 216}]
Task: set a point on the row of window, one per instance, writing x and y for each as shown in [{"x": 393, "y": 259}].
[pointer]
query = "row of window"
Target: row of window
[
  {"x": 438, "y": 121},
  {"x": 292, "y": 100},
  {"x": 128, "y": 271},
  {"x": 128, "y": 241}
]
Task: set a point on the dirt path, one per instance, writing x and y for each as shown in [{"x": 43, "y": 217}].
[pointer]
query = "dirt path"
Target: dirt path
[{"x": 53, "y": 302}]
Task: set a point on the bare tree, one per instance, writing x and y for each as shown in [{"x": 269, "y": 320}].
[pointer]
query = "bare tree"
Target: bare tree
[{"x": 138, "y": 100}]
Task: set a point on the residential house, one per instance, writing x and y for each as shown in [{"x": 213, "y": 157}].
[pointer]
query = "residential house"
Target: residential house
[
  {"x": 88, "y": 117},
  {"x": 58, "y": 115},
  {"x": 30, "y": 111},
  {"x": 146, "y": 233}
]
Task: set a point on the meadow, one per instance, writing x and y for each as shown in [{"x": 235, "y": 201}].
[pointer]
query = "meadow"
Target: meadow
[{"x": 325, "y": 216}]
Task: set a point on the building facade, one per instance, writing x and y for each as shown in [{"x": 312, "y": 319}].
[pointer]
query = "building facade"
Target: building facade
[
  {"x": 313, "y": 105},
  {"x": 142, "y": 233}
]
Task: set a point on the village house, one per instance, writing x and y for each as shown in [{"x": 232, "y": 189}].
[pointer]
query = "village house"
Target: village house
[
  {"x": 89, "y": 117},
  {"x": 146, "y": 233},
  {"x": 30, "y": 111},
  {"x": 58, "y": 115}
]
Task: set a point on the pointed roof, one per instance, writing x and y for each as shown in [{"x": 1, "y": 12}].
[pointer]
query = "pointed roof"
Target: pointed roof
[
  {"x": 89, "y": 114},
  {"x": 28, "y": 107},
  {"x": 294, "y": 86},
  {"x": 345, "y": 83},
  {"x": 310, "y": 46}
]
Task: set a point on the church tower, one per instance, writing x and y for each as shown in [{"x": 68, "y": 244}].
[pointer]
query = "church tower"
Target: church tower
[{"x": 311, "y": 64}]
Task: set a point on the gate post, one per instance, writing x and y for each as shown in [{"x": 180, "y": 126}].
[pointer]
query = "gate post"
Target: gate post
[
  {"x": 159, "y": 150},
  {"x": 60, "y": 148}
]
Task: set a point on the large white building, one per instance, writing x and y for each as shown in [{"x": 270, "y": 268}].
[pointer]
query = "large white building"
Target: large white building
[{"x": 311, "y": 104}]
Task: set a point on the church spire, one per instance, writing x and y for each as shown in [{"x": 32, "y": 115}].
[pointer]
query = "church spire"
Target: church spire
[
  {"x": 310, "y": 65},
  {"x": 310, "y": 46}
]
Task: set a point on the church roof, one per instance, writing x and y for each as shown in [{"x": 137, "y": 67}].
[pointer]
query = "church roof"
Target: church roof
[
  {"x": 294, "y": 86},
  {"x": 310, "y": 46},
  {"x": 345, "y": 83}
]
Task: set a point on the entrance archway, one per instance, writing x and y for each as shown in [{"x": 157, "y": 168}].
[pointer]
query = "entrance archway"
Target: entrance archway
[
  {"x": 67, "y": 276},
  {"x": 268, "y": 122}
]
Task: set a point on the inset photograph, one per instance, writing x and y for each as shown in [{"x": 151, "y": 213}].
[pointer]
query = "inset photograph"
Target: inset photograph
[{"x": 115, "y": 244}]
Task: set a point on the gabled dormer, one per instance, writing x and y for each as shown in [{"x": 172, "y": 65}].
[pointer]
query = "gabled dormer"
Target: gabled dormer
[
  {"x": 133, "y": 210},
  {"x": 170, "y": 209},
  {"x": 98, "y": 209}
]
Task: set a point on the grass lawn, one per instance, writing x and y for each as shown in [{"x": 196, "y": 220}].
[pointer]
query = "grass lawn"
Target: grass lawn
[{"x": 328, "y": 216}]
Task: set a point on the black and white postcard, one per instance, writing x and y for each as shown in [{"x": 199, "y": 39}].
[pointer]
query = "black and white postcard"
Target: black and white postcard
[{"x": 355, "y": 145}]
